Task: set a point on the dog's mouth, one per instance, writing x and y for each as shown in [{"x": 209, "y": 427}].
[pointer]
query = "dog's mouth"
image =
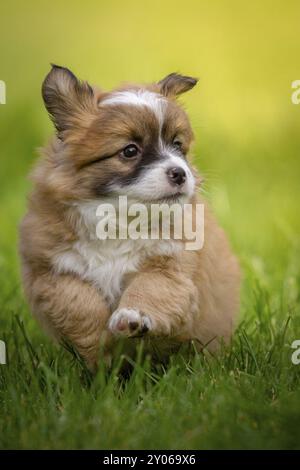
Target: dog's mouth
[{"x": 169, "y": 198}]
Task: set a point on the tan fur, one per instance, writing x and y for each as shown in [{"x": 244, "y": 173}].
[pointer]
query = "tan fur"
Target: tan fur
[
  {"x": 192, "y": 296},
  {"x": 189, "y": 295}
]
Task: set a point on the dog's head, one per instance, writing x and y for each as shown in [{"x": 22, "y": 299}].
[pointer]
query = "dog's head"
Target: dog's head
[{"x": 132, "y": 141}]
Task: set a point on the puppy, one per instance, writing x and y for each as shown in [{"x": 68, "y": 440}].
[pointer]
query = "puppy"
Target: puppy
[{"x": 134, "y": 142}]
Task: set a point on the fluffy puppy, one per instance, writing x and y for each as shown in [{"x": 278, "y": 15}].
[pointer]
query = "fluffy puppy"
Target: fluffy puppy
[{"x": 134, "y": 142}]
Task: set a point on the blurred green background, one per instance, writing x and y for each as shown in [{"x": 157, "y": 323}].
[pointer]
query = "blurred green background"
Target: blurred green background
[{"x": 246, "y": 55}]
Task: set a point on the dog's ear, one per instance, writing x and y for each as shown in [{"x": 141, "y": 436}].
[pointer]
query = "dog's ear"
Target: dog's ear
[
  {"x": 174, "y": 84},
  {"x": 68, "y": 100}
]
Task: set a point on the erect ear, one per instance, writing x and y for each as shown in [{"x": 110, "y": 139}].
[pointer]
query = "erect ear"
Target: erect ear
[
  {"x": 68, "y": 100},
  {"x": 175, "y": 84}
]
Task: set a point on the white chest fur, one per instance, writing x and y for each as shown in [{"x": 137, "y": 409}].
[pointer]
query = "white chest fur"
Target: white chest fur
[{"x": 104, "y": 263}]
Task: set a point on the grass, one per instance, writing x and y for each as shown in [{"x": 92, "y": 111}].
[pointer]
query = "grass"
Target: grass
[
  {"x": 248, "y": 143},
  {"x": 248, "y": 397}
]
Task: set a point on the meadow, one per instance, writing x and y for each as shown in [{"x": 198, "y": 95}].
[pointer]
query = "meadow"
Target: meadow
[{"x": 247, "y": 148}]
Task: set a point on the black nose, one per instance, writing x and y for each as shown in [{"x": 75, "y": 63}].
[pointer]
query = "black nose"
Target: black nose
[{"x": 176, "y": 175}]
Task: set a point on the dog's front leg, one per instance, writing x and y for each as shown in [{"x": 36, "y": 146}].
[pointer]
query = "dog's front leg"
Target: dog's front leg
[
  {"x": 160, "y": 301},
  {"x": 71, "y": 310}
]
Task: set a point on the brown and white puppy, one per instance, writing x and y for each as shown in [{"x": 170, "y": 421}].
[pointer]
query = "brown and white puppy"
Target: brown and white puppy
[{"x": 133, "y": 141}]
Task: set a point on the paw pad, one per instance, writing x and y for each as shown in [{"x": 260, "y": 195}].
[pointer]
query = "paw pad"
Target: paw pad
[{"x": 129, "y": 322}]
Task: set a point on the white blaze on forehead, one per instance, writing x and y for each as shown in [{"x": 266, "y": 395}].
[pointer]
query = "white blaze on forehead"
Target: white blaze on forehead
[
  {"x": 154, "y": 101},
  {"x": 153, "y": 182}
]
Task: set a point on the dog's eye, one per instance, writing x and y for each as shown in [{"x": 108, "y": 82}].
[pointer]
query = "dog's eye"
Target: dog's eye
[
  {"x": 177, "y": 144},
  {"x": 130, "y": 151}
]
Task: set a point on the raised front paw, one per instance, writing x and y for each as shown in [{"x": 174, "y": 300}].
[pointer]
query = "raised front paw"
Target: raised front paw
[{"x": 129, "y": 322}]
